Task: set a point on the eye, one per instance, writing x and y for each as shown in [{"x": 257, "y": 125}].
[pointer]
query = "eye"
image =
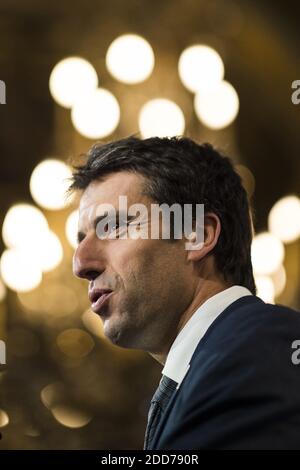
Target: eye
[
  {"x": 109, "y": 230},
  {"x": 111, "y": 227}
]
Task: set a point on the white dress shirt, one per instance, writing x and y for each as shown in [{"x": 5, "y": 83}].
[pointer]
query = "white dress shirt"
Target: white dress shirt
[{"x": 181, "y": 352}]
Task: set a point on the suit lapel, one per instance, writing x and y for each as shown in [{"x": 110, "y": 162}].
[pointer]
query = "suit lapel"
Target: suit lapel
[{"x": 160, "y": 427}]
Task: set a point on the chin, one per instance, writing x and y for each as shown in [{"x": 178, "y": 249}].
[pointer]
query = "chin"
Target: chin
[
  {"x": 113, "y": 333},
  {"x": 120, "y": 337}
]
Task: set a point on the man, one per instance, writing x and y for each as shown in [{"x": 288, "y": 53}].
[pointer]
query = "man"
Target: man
[{"x": 228, "y": 378}]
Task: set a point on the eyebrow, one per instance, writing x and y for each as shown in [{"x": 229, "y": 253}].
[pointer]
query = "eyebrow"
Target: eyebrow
[{"x": 81, "y": 235}]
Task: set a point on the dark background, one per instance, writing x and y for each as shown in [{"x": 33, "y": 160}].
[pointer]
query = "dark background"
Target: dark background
[{"x": 260, "y": 44}]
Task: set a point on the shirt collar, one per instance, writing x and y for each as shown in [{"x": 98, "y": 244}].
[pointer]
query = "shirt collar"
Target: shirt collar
[{"x": 183, "y": 348}]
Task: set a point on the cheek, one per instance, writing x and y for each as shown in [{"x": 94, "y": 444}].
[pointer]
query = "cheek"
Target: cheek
[
  {"x": 147, "y": 266},
  {"x": 123, "y": 262},
  {"x": 133, "y": 261}
]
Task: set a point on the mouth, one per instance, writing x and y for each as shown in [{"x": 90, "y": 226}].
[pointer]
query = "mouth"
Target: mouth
[{"x": 99, "y": 299}]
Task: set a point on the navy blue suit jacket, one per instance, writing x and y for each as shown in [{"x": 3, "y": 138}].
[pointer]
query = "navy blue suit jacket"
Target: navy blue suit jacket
[{"x": 242, "y": 390}]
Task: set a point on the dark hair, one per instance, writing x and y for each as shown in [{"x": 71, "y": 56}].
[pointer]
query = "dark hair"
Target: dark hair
[{"x": 179, "y": 170}]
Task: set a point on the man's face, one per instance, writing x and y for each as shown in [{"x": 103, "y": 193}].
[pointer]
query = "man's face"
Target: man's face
[{"x": 151, "y": 280}]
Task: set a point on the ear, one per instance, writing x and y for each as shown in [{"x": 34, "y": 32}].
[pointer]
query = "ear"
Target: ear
[{"x": 212, "y": 230}]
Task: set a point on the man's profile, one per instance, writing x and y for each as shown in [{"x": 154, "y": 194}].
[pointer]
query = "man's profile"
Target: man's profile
[{"x": 228, "y": 380}]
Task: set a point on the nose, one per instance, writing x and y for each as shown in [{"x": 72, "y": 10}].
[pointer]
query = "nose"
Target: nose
[{"x": 87, "y": 263}]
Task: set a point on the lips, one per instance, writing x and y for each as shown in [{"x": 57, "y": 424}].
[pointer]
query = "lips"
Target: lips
[{"x": 98, "y": 298}]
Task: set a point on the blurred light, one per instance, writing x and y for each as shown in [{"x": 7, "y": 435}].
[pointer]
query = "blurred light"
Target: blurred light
[
  {"x": 200, "y": 68},
  {"x": 2, "y": 291},
  {"x": 70, "y": 417},
  {"x": 218, "y": 107},
  {"x": 284, "y": 219},
  {"x": 19, "y": 270},
  {"x": 279, "y": 280},
  {"x": 43, "y": 301},
  {"x": 93, "y": 323},
  {"x": 96, "y": 116},
  {"x": 49, "y": 252},
  {"x": 52, "y": 394},
  {"x": 161, "y": 118},
  {"x": 130, "y": 59},
  {"x": 49, "y": 183},
  {"x": 4, "y": 419},
  {"x": 23, "y": 224},
  {"x": 248, "y": 179},
  {"x": 22, "y": 342},
  {"x": 72, "y": 228},
  {"x": 25, "y": 227},
  {"x": 75, "y": 343},
  {"x": 265, "y": 288},
  {"x": 267, "y": 253},
  {"x": 71, "y": 79}
]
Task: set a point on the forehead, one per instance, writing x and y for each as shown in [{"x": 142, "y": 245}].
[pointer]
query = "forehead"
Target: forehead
[{"x": 108, "y": 190}]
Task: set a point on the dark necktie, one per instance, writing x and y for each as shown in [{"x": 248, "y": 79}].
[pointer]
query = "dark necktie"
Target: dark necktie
[{"x": 158, "y": 405}]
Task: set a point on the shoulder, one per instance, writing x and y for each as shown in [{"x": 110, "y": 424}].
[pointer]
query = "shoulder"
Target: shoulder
[
  {"x": 252, "y": 341},
  {"x": 249, "y": 318},
  {"x": 242, "y": 388}
]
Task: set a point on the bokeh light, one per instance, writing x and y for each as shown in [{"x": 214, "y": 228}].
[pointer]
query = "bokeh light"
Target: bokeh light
[
  {"x": 96, "y": 116},
  {"x": 267, "y": 253},
  {"x": 20, "y": 270},
  {"x": 72, "y": 228},
  {"x": 70, "y": 417},
  {"x": 49, "y": 252},
  {"x": 75, "y": 343},
  {"x": 52, "y": 394},
  {"x": 93, "y": 323},
  {"x": 2, "y": 291},
  {"x": 200, "y": 67},
  {"x": 279, "y": 280},
  {"x": 43, "y": 301},
  {"x": 130, "y": 59},
  {"x": 265, "y": 288},
  {"x": 49, "y": 182},
  {"x": 23, "y": 224},
  {"x": 71, "y": 79},
  {"x": 4, "y": 419},
  {"x": 284, "y": 219},
  {"x": 218, "y": 107},
  {"x": 162, "y": 118}
]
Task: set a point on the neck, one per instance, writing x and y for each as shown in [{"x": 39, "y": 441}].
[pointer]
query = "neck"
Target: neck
[{"x": 208, "y": 289}]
